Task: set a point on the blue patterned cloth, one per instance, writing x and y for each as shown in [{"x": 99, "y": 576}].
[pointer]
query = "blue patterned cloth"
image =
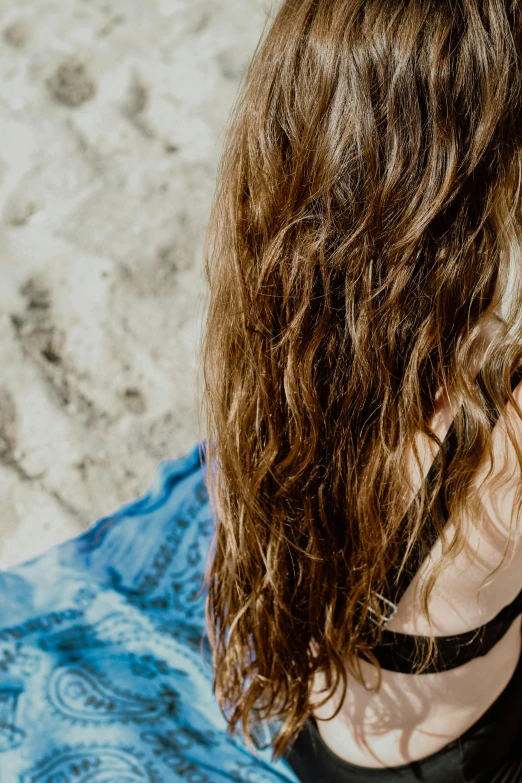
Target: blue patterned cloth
[{"x": 105, "y": 672}]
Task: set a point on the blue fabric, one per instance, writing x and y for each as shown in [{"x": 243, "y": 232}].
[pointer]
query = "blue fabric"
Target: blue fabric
[{"x": 105, "y": 672}]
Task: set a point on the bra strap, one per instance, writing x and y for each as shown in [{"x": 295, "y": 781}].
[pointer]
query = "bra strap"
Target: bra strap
[{"x": 397, "y": 584}]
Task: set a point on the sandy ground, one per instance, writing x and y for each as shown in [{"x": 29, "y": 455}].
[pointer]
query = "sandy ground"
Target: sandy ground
[{"x": 111, "y": 117}]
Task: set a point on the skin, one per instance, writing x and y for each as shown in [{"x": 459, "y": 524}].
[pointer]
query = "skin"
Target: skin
[{"x": 413, "y": 716}]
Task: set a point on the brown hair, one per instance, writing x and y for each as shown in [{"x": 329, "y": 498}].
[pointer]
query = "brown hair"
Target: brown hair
[{"x": 365, "y": 222}]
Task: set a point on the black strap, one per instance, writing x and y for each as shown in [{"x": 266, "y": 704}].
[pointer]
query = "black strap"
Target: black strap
[
  {"x": 397, "y": 584},
  {"x": 399, "y": 652}
]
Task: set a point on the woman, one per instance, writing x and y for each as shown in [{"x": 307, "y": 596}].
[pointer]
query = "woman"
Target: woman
[
  {"x": 363, "y": 258},
  {"x": 362, "y": 607}
]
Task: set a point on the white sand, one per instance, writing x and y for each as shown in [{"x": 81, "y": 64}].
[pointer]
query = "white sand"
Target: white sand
[{"x": 111, "y": 115}]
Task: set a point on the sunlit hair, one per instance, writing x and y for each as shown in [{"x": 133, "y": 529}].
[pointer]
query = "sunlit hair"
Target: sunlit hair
[{"x": 366, "y": 222}]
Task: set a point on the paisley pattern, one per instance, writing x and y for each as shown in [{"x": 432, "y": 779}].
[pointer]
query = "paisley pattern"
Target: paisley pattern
[
  {"x": 10, "y": 735},
  {"x": 92, "y": 765},
  {"x": 105, "y": 669},
  {"x": 81, "y": 695}
]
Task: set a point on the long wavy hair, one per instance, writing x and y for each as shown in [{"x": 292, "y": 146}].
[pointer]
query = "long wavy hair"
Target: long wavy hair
[{"x": 366, "y": 223}]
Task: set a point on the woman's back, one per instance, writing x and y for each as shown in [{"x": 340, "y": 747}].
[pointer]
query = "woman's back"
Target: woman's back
[
  {"x": 367, "y": 224},
  {"x": 413, "y": 716}
]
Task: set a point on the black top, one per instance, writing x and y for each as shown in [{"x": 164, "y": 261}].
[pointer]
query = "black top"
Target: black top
[{"x": 484, "y": 752}]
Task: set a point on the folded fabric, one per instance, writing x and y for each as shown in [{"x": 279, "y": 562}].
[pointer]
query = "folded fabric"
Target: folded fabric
[{"x": 105, "y": 671}]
